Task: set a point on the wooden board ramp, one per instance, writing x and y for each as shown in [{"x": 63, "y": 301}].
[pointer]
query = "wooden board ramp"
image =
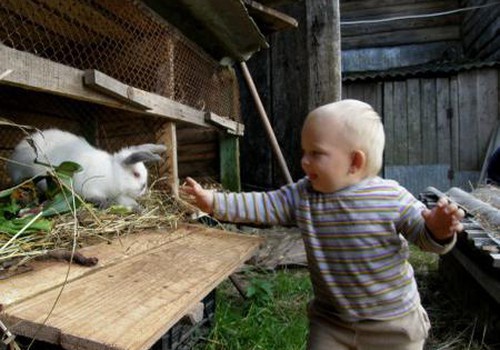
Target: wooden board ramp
[{"x": 141, "y": 287}]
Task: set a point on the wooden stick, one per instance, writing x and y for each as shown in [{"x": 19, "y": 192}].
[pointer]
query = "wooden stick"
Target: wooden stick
[{"x": 267, "y": 125}]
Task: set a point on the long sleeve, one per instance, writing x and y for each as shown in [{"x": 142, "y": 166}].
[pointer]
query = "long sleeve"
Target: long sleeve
[
  {"x": 411, "y": 224},
  {"x": 275, "y": 207}
]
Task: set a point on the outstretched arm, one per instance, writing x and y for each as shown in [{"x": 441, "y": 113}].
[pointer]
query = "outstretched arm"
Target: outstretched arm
[
  {"x": 443, "y": 220},
  {"x": 204, "y": 198}
]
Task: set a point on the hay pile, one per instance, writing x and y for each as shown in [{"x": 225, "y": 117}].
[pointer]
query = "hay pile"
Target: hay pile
[{"x": 87, "y": 225}]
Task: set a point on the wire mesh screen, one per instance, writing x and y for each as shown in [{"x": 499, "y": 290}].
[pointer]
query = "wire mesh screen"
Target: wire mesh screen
[{"x": 123, "y": 39}]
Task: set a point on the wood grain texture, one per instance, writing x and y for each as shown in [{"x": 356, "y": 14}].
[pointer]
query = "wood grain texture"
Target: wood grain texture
[{"x": 133, "y": 300}]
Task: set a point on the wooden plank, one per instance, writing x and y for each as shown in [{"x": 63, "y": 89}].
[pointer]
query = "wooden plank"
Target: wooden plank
[
  {"x": 47, "y": 275},
  {"x": 429, "y": 134},
  {"x": 231, "y": 126},
  {"x": 186, "y": 136},
  {"x": 105, "y": 84},
  {"x": 402, "y": 37},
  {"x": 197, "y": 151},
  {"x": 443, "y": 121},
  {"x": 289, "y": 99},
  {"x": 388, "y": 119},
  {"x": 380, "y": 27},
  {"x": 455, "y": 133},
  {"x": 388, "y": 8},
  {"x": 230, "y": 162},
  {"x": 268, "y": 19},
  {"x": 400, "y": 124},
  {"x": 35, "y": 73},
  {"x": 468, "y": 136},
  {"x": 132, "y": 303},
  {"x": 169, "y": 169},
  {"x": 415, "y": 155},
  {"x": 479, "y": 32},
  {"x": 323, "y": 48},
  {"x": 489, "y": 283},
  {"x": 487, "y": 110}
]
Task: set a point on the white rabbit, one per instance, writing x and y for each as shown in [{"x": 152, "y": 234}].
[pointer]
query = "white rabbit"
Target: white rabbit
[{"x": 105, "y": 179}]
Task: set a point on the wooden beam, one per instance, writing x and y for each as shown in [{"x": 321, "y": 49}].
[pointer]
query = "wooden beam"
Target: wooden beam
[
  {"x": 31, "y": 72},
  {"x": 104, "y": 84},
  {"x": 268, "y": 19},
  {"x": 168, "y": 136},
  {"x": 231, "y": 126}
]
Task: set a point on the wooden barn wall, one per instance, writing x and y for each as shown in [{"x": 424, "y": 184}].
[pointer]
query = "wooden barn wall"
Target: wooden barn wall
[
  {"x": 280, "y": 75},
  {"x": 404, "y": 42},
  {"x": 437, "y": 127},
  {"x": 481, "y": 30}
]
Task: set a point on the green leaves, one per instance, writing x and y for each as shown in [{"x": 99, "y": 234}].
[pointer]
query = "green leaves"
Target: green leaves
[{"x": 20, "y": 204}]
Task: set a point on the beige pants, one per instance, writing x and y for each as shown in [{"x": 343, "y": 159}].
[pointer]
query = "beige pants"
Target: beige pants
[{"x": 405, "y": 333}]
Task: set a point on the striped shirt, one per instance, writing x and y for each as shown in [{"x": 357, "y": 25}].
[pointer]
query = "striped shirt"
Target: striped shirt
[{"x": 356, "y": 241}]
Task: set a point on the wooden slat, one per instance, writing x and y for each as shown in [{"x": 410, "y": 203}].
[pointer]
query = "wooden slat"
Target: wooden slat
[
  {"x": 488, "y": 282},
  {"x": 455, "y": 121},
  {"x": 47, "y": 275},
  {"x": 269, "y": 20},
  {"x": 105, "y": 84},
  {"x": 402, "y": 37},
  {"x": 468, "y": 136},
  {"x": 388, "y": 119},
  {"x": 167, "y": 136},
  {"x": 369, "y": 28},
  {"x": 363, "y": 9},
  {"x": 487, "y": 109},
  {"x": 231, "y": 126},
  {"x": 32, "y": 72},
  {"x": 429, "y": 135},
  {"x": 400, "y": 124},
  {"x": 414, "y": 125},
  {"x": 229, "y": 154},
  {"x": 443, "y": 122},
  {"x": 132, "y": 303}
]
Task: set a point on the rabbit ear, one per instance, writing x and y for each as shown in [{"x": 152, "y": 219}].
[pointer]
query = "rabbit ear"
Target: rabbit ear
[
  {"x": 149, "y": 147},
  {"x": 141, "y": 156}
]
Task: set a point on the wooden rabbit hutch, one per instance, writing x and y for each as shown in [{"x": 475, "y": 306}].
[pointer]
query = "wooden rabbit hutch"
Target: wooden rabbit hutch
[
  {"x": 142, "y": 74},
  {"x": 118, "y": 74}
]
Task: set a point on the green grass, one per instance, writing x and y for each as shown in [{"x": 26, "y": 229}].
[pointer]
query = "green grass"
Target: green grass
[{"x": 273, "y": 316}]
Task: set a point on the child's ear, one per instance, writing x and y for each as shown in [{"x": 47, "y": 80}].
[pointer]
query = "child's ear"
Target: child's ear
[{"x": 358, "y": 161}]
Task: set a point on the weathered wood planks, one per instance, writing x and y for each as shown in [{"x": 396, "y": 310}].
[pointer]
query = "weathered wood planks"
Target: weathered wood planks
[{"x": 138, "y": 291}]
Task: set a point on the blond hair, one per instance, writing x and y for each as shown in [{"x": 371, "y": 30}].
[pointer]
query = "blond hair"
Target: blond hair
[{"x": 362, "y": 126}]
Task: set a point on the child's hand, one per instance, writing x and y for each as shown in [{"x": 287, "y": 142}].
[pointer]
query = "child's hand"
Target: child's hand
[
  {"x": 443, "y": 220},
  {"x": 204, "y": 198}
]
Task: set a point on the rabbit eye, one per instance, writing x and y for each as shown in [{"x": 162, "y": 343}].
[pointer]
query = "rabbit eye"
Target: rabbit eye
[{"x": 136, "y": 174}]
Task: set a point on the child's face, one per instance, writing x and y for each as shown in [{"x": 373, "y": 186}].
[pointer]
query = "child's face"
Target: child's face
[{"x": 327, "y": 156}]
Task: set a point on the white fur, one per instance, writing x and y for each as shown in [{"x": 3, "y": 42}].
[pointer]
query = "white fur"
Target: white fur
[{"x": 104, "y": 179}]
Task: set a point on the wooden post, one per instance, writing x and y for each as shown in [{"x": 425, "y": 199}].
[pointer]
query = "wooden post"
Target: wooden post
[
  {"x": 267, "y": 124},
  {"x": 229, "y": 152},
  {"x": 324, "y": 52},
  {"x": 167, "y": 135}
]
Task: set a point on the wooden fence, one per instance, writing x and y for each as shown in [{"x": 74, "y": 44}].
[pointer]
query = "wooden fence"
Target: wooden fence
[{"x": 445, "y": 121}]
